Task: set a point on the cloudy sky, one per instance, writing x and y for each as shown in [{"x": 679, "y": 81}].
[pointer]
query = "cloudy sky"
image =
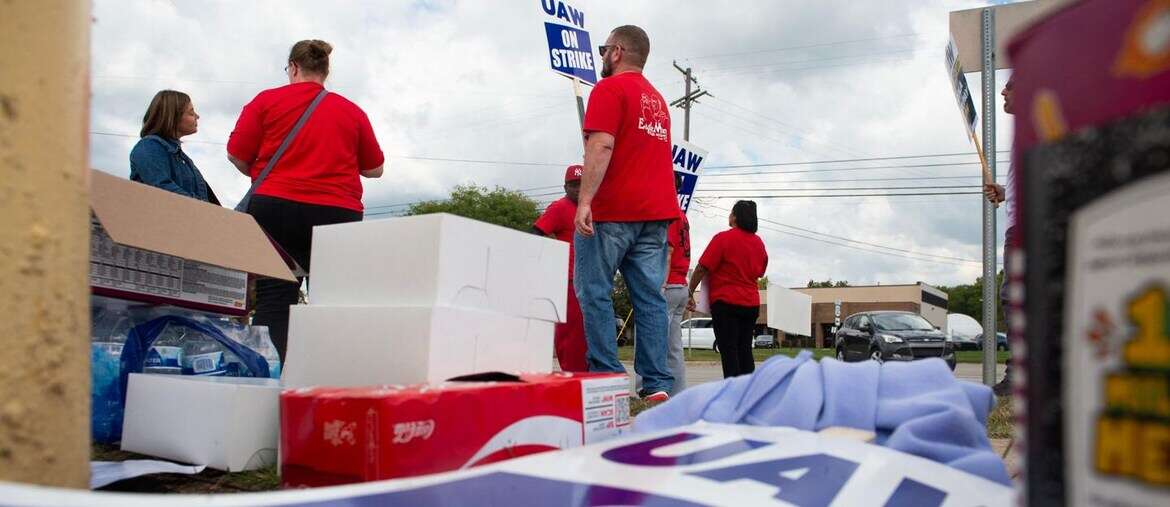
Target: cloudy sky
[{"x": 793, "y": 81}]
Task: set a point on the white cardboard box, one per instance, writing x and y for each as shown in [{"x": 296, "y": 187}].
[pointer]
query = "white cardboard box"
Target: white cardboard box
[
  {"x": 226, "y": 423},
  {"x": 440, "y": 260},
  {"x": 349, "y": 346}
]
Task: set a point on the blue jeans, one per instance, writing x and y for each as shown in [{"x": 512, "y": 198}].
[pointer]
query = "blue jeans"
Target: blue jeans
[{"x": 638, "y": 249}]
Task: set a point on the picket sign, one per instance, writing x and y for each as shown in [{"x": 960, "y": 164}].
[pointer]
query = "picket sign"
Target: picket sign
[{"x": 701, "y": 464}]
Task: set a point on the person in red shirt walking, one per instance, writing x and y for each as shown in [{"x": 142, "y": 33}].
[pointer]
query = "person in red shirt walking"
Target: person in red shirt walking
[
  {"x": 316, "y": 179},
  {"x": 557, "y": 223},
  {"x": 734, "y": 260},
  {"x": 678, "y": 248},
  {"x": 627, "y": 202}
]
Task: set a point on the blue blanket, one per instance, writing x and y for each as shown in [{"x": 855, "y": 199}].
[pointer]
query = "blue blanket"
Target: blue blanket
[{"x": 914, "y": 407}]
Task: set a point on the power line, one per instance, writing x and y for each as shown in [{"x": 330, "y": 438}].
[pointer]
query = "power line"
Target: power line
[
  {"x": 755, "y": 132},
  {"x": 869, "y": 61},
  {"x": 825, "y": 196},
  {"x": 771, "y": 65},
  {"x": 854, "y": 180},
  {"x": 869, "y": 250},
  {"x": 835, "y": 189},
  {"x": 489, "y": 162},
  {"x": 807, "y": 46},
  {"x": 787, "y": 130},
  {"x": 842, "y": 169},
  {"x": 922, "y": 256},
  {"x": 786, "y": 125},
  {"x": 131, "y": 136},
  {"x": 871, "y": 159},
  {"x": 406, "y": 157}
]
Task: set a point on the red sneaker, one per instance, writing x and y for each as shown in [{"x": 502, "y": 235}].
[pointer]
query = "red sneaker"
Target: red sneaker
[{"x": 655, "y": 397}]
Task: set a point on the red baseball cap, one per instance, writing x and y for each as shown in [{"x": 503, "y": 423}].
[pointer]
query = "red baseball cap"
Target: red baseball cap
[{"x": 573, "y": 173}]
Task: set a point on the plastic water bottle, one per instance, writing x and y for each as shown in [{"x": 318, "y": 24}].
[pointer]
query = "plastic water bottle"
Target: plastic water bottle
[
  {"x": 202, "y": 355},
  {"x": 110, "y": 324},
  {"x": 166, "y": 354},
  {"x": 260, "y": 340}
]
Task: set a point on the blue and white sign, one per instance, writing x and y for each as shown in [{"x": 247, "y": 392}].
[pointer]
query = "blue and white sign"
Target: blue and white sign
[
  {"x": 688, "y": 161},
  {"x": 697, "y": 465},
  {"x": 570, "y": 52},
  {"x": 962, "y": 91}
]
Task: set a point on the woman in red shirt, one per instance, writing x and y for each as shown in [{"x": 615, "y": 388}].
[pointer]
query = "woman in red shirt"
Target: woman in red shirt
[
  {"x": 734, "y": 260},
  {"x": 317, "y": 179}
]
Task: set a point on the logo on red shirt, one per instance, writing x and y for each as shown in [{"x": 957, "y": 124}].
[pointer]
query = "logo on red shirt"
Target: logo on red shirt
[{"x": 652, "y": 118}]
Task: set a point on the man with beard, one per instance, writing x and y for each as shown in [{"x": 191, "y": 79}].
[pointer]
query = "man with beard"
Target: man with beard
[
  {"x": 627, "y": 201},
  {"x": 557, "y": 223}
]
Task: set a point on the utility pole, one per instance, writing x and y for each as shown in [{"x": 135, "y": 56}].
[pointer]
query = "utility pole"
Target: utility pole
[{"x": 687, "y": 98}]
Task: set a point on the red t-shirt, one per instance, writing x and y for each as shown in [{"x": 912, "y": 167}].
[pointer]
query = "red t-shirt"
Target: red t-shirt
[
  {"x": 639, "y": 183},
  {"x": 678, "y": 236},
  {"x": 735, "y": 259},
  {"x": 558, "y": 220},
  {"x": 322, "y": 164}
]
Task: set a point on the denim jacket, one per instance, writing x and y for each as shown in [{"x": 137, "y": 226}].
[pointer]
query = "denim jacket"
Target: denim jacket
[{"x": 161, "y": 163}]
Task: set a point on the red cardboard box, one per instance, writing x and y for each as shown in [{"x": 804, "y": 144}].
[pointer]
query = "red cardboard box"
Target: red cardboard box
[{"x": 335, "y": 436}]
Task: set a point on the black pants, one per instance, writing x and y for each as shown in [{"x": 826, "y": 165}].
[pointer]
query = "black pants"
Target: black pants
[
  {"x": 733, "y": 333},
  {"x": 291, "y": 224}
]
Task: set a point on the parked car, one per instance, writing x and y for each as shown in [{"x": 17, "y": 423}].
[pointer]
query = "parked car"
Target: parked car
[
  {"x": 1001, "y": 342},
  {"x": 697, "y": 333},
  {"x": 764, "y": 341},
  {"x": 891, "y": 336},
  {"x": 966, "y": 341}
]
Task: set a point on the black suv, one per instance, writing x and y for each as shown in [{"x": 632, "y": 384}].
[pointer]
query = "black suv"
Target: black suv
[{"x": 891, "y": 336}]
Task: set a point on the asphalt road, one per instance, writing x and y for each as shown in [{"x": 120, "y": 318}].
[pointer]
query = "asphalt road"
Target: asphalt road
[{"x": 701, "y": 372}]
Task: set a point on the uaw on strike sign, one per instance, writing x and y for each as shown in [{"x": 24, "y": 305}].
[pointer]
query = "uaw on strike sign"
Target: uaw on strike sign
[
  {"x": 569, "y": 51},
  {"x": 697, "y": 465},
  {"x": 688, "y": 161}
]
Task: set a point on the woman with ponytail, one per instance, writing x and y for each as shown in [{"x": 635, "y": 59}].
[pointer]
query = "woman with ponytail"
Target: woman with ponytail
[{"x": 305, "y": 150}]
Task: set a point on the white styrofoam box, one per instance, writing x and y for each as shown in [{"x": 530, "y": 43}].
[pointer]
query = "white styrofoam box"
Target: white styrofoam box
[
  {"x": 440, "y": 260},
  {"x": 349, "y": 346},
  {"x": 539, "y": 346},
  {"x": 789, "y": 311},
  {"x": 226, "y": 423}
]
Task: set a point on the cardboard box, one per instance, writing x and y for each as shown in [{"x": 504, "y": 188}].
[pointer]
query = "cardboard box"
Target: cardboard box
[
  {"x": 440, "y": 260},
  {"x": 336, "y": 436},
  {"x": 226, "y": 423},
  {"x": 155, "y": 246},
  {"x": 342, "y": 346}
]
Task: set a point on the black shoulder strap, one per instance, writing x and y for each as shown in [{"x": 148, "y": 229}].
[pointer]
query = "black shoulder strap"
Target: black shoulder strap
[{"x": 243, "y": 205}]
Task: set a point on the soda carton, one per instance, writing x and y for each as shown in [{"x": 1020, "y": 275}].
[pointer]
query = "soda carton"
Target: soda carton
[{"x": 344, "y": 435}]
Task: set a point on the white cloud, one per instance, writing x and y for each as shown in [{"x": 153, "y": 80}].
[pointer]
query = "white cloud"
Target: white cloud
[{"x": 469, "y": 80}]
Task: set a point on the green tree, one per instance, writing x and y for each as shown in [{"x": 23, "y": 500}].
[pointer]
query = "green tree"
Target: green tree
[
  {"x": 762, "y": 283},
  {"x": 967, "y": 299},
  {"x": 508, "y": 208},
  {"x": 813, "y": 284},
  {"x": 621, "y": 297}
]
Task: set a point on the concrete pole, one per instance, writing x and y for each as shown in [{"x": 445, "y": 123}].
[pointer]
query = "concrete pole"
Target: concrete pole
[{"x": 44, "y": 242}]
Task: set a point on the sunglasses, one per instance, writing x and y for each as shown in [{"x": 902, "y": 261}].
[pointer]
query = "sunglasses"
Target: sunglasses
[{"x": 605, "y": 49}]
